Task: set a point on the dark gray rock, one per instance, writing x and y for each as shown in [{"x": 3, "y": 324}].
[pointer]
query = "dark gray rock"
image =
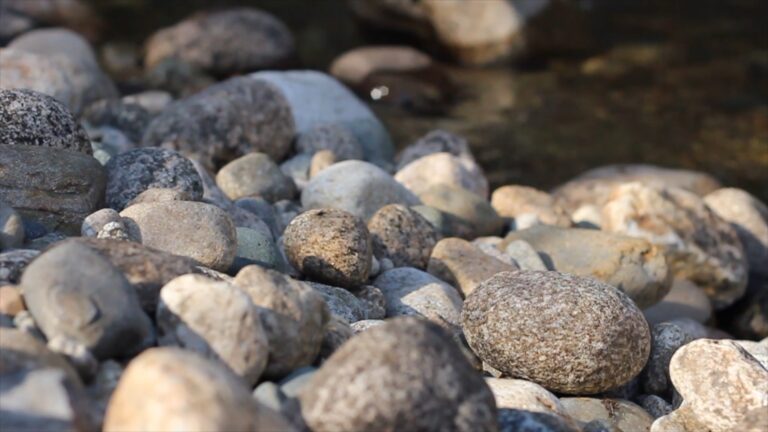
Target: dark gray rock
[
  {"x": 130, "y": 119},
  {"x": 133, "y": 172},
  {"x": 406, "y": 374},
  {"x": 74, "y": 292},
  {"x": 342, "y": 303},
  {"x": 666, "y": 339},
  {"x": 517, "y": 420}
]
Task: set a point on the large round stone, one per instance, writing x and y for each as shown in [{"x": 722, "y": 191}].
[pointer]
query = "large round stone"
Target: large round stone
[{"x": 569, "y": 334}]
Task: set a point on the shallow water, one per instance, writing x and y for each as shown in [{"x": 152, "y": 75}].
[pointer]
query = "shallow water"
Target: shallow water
[{"x": 682, "y": 83}]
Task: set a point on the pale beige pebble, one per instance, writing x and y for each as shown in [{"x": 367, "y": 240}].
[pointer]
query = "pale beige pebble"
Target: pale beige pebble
[
  {"x": 320, "y": 161},
  {"x": 357, "y": 64},
  {"x": 569, "y": 334},
  {"x": 168, "y": 389},
  {"x": 719, "y": 382},
  {"x": 525, "y": 395},
  {"x": 189, "y": 315},
  {"x": 463, "y": 264},
  {"x": 635, "y": 266},
  {"x": 594, "y": 187},
  {"x": 255, "y": 175},
  {"x": 11, "y": 301},
  {"x": 699, "y": 245},
  {"x": 443, "y": 168},
  {"x": 684, "y": 300},
  {"x": 293, "y": 314},
  {"x": 749, "y": 217},
  {"x": 624, "y": 415},
  {"x": 513, "y": 201},
  {"x": 402, "y": 235},
  {"x": 196, "y": 230}
]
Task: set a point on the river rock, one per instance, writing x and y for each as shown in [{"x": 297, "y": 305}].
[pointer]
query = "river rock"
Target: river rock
[
  {"x": 705, "y": 373},
  {"x": 361, "y": 326},
  {"x": 515, "y": 420},
  {"x": 357, "y": 64},
  {"x": 49, "y": 76},
  {"x": 357, "y": 187},
  {"x": 196, "y": 230},
  {"x": 95, "y": 222},
  {"x": 409, "y": 291},
  {"x": 758, "y": 350},
  {"x": 684, "y": 300},
  {"x": 57, "y": 188},
  {"x": 332, "y": 136},
  {"x": 467, "y": 206},
  {"x": 635, "y": 266},
  {"x": 186, "y": 318},
  {"x": 415, "y": 363},
  {"x": 525, "y": 395},
  {"x": 129, "y": 118},
  {"x": 11, "y": 228},
  {"x": 463, "y": 264},
  {"x": 318, "y": 99},
  {"x": 666, "y": 339},
  {"x": 225, "y": 121},
  {"x": 293, "y": 315},
  {"x": 21, "y": 351},
  {"x": 153, "y": 101},
  {"x": 133, "y": 172},
  {"x": 443, "y": 168},
  {"x": 515, "y": 201},
  {"x": 524, "y": 255},
  {"x": 337, "y": 332},
  {"x": 256, "y": 246},
  {"x": 173, "y": 389},
  {"x": 749, "y": 217},
  {"x": 623, "y": 415},
  {"x": 436, "y": 141},
  {"x": 569, "y": 334},
  {"x": 11, "y": 301},
  {"x": 255, "y": 175},
  {"x": 402, "y": 235},
  {"x": 297, "y": 168},
  {"x": 594, "y": 187},
  {"x": 446, "y": 224},
  {"x": 94, "y": 305},
  {"x": 331, "y": 246},
  {"x": 13, "y": 263},
  {"x": 320, "y": 161},
  {"x": 698, "y": 244},
  {"x": 36, "y": 119},
  {"x": 224, "y": 42},
  {"x": 161, "y": 195},
  {"x": 343, "y": 303}
]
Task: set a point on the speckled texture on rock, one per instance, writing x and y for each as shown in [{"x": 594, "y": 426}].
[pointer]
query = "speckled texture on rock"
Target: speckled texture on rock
[
  {"x": 402, "y": 235},
  {"x": 463, "y": 264},
  {"x": 357, "y": 187},
  {"x": 255, "y": 175},
  {"x": 133, "y": 172},
  {"x": 225, "y": 121},
  {"x": 467, "y": 206},
  {"x": 633, "y": 265},
  {"x": 749, "y": 217},
  {"x": 57, "y": 188},
  {"x": 409, "y": 291},
  {"x": 173, "y": 389},
  {"x": 666, "y": 339},
  {"x": 330, "y": 246},
  {"x": 567, "y": 333},
  {"x": 699, "y": 245},
  {"x": 75, "y": 293},
  {"x": 293, "y": 314},
  {"x": 445, "y": 168},
  {"x": 624, "y": 415},
  {"x": 224, "y": 42},
  {"x": 720, "y": 383},
  {"x": 514, "y": 201},
  {"x": 189, "y": 316},
  {"x": 406, "y": 374},
  {"x": 196, "y": 230},
  {"x": 35, "y": 119},
  {"x": 332, "y": 136}
]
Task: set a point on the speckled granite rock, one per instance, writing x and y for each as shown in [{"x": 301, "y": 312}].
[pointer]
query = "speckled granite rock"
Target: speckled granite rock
[
  {"x": 331, "y": 246},
  {"x": 225, "y": 121},
  {"x": 707, "y": 373},
  {"x": 94, "y": 305},
  {"x": 36, "y": 119},
  {"x": 255, "y": 175},
  {"x": 624, "y": 415},
  {"x": 158, "y": 388},
  {"x": 666, "y": 339},
  {"x": 357, "y": 187},
  {"x": 415, "y": 364},
  {"x": 699, "y": 245},
  {"x": 514, "y": 201},
  {"x": 635, "y": 266},
  {"x": 749, "y": 217},
  {"x": 196, "y": 230},
  {"x": 443, "y": 168},
  {"x": 402, "y": 235},
  {"x": 464, "y": 265},
  {"x": 189, "y": 316},
  {"x": 57, "y": 188},
  {"x": 466, "y": 206},
  {"x": 332, "y": 136},
  {"x": 293, "y": 314},
  {"x": 409, "y": 291},
  {"x": 224, "y": 42},
  {"x": 136, "y": 171},
  {"x": 566, "y": 333}
]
